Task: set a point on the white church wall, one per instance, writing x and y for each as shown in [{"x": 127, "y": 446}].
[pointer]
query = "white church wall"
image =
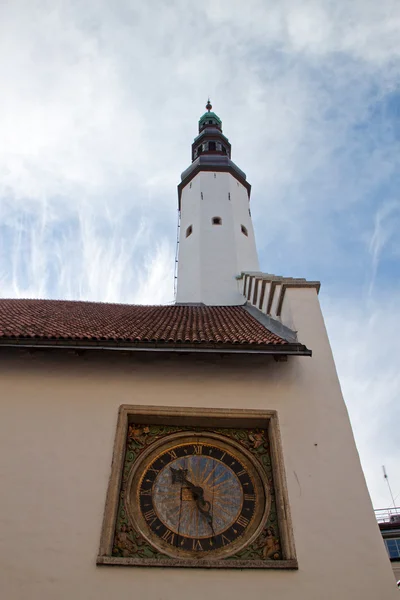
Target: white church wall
[
  {"x": 189, "y": 245},
  {"x": 247, "y": 258},
  {"x": 57, "y": 428},
  {"x": 208, "y": 267}
]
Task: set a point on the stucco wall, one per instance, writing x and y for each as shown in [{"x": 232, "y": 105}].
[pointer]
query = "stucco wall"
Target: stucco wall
[
  {"x": 57, "y": 426},
  {"x": 396, "y": 570}
]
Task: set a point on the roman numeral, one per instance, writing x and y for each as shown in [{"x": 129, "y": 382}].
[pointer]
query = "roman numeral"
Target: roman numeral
[
  {"x": 197, "y": 449},
  {"x": 250, "y": 497},
  {"x": 242, "y": 521},
  {"x": 197, "y": 545},
  {"x": 145, "y": 492},
  {"x": 172, "y": 454},
  {"x": 223, "y": 456},
  {"x": 150, "y": 516},
  {"x": 156, "y": 471},
  {"x": 242, "y": 472},
  {"x": 225, "y": 540},
  {"x": 168, "y": 536}
]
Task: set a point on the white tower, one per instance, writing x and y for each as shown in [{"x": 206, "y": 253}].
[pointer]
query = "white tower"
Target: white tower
[{"x": 216, "y": 240}]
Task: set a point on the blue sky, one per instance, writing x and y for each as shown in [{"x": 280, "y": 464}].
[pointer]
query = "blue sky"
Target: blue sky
[{"x": 99, "y": 104}]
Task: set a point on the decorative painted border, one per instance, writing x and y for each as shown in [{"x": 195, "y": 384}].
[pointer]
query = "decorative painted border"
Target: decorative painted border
[{"x": 203, "y": 418}]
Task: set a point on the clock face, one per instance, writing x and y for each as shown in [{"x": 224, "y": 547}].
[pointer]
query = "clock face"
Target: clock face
[{"x": 197, "y": 495}]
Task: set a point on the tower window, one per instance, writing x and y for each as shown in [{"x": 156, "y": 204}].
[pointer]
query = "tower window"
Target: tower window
[
  {"x": 189, "y": 231},
  {"x": 199, "y": 150},
  {"x": 212, "y": 146},
  {"x": 210, "y": 122},
  {"x": 244, "y": 230},
  {"x": 249, "y": 213},
  {"x": 216, "y": 221},
  {"x": 201, "y": 195},
  {"x": 223, "y": 150},
  {"x": 229, "y": 195},
  {"x": 190, "y": 184}
]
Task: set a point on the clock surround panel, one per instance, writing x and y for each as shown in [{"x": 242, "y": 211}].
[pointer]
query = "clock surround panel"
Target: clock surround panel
[{"x": 191, "y": 488}]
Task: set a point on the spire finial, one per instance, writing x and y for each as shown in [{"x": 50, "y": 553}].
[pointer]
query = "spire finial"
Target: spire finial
[{"x": 208, "y": 105}]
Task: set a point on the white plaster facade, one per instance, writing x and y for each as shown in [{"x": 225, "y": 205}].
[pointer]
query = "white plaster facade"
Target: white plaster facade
[
  {"x": 213, "y": 256},
  {"x": 57, "y": 426}
]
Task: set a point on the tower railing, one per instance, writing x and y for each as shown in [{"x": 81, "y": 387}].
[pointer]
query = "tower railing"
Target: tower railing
[{"x": 388, "y": 515}]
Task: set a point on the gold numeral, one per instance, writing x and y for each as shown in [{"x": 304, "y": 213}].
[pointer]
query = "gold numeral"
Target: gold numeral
[
  {"x": 172, "y": 454},
  {"x": 156, "y": 471},
  {"x": 249, "y": 496},
  {"x": 242, "y": 521},
  {"x": 225, "y": 540},
  {"x": 198, "y": 449},
  {"x": 223, "y": 456},
  {"x": 197, "y": 545},
  {"x": 242, "y": 472},
  {"x": 145, "y": 492},
  {"x": 168, "y": 536},
  {"x": 150, "y": 516}
]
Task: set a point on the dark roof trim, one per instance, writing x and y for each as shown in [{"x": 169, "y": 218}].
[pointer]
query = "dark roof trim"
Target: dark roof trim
[
  {"x": 390, "y": 527},
  {"x": 211, "y": 132},
  {"x": 271, "y": 349},
  {"x": 214, "y": 168}
]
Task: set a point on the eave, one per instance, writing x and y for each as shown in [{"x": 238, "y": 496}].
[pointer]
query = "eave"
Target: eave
[
  {"x": 172, "y": 347},
  {"x": 213, "y": 168}
]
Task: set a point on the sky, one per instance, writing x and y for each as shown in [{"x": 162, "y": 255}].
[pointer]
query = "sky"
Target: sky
[{"x": 99, "y": 103}]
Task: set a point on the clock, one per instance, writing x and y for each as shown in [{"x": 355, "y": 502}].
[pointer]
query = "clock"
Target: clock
[{"x": 197, "y": 495}]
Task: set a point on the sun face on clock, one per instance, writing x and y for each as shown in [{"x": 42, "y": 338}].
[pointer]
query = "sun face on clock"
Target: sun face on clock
[{"x": 197, "y": 496}]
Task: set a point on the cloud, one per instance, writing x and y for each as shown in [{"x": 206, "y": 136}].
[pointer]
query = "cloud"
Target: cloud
[
  {"x": 365, "y": 339},
  {"x": 386, "y": 226},
  {"x": 99, "y": 105}
]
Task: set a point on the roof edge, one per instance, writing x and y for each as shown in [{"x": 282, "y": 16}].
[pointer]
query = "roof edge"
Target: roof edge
[
  {"x": 272, "y": 324},
  {"x": 206, "y": 348},
  {"x": 215, "y": 168}
]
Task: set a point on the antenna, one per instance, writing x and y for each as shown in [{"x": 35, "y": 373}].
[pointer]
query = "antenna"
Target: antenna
[
  {"x": 177, "y": 254},
  {"x": 385, "y": 475}
]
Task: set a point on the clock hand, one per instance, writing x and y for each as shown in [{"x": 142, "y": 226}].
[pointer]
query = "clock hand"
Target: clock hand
[
  {"x": 204, "y": 507},
  {"x": 180, "y": 476}
]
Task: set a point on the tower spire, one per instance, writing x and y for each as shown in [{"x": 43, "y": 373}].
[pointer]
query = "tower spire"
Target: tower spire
[{"x": 216, "y": 237}]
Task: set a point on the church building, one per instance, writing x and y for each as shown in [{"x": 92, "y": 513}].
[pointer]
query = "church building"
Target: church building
[{"x": 201, "y": 449}]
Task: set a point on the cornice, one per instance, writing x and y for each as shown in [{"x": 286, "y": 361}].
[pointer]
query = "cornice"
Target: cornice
[{"x": 226, "y": 168}]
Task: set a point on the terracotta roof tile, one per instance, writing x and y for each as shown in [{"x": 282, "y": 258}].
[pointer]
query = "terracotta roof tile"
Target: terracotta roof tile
[{"x": 95, "y": 321}]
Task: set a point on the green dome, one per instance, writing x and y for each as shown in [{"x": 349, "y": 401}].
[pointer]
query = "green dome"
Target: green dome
[{"x": 209, "y": 115}]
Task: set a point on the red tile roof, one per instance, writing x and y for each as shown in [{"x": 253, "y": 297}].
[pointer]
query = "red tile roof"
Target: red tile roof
[{"x": 94, "y": 322}]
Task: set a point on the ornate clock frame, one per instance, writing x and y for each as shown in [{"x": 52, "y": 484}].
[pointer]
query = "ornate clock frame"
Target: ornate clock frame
[{"x": 255, "y": 431}]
